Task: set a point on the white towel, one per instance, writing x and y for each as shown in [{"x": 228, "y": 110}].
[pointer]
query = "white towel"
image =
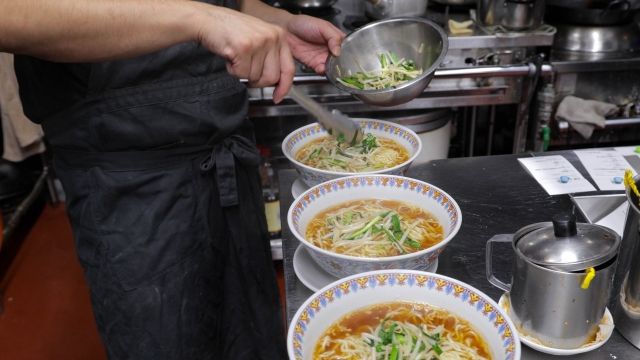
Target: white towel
[
  {"x": 584, "y": 115},
  {"x": 21, "y": 137}
]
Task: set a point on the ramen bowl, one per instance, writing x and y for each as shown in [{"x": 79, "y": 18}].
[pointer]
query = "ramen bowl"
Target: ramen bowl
[
  {"x": 320, "y": 197},
  {"x": 295, "y": 141},
  {"x": 344, "y": 296}
]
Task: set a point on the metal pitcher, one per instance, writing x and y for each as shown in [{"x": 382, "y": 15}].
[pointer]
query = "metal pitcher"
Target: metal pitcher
[
  {"x": 561, "y": 281},
  {"x": 625, "y": 300}
]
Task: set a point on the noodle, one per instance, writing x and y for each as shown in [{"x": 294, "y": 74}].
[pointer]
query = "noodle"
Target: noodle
[
  {"x": 373, "y": 154},
  {"x": 374, "y": 228},
  {"x": 408, "y": 330}
]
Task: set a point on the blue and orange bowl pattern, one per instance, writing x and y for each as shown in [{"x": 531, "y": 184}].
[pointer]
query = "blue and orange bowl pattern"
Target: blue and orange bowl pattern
[
  {"x": 340, "y": 265},
  {"x": 330, "y": 298},
  {"x": 312, "y": 176}
]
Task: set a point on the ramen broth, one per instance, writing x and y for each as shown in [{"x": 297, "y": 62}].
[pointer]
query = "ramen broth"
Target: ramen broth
[
  {"x": 374, "y": 228},
  {"x": 374, "y": 153},
  {"x": 362, "y": 334}
]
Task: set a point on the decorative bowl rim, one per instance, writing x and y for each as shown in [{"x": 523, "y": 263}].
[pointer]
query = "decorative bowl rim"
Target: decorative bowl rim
[
  {"x": 342, "y": 174},
  {"x": 431, "y": 249},
  {"x": 513, "y": 333}
]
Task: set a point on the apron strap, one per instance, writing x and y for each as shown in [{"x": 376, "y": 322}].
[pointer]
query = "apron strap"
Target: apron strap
[{"x": 222, "y": 157}]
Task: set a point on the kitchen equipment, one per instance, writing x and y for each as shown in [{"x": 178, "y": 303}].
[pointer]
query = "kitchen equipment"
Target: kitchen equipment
[
  {"x": 397, "y": 188},
  {"x": 411, "y": 38},
  {"x": 336, "y": 123},
  {"x": 562, "y": 277},
  {"x": 616, "y": 12},
  {"x": 385, "y": 9},
  {"x": 517, "y": 15},
  {"x": 625, "y": 299},
  {"x": 461, "y": 3},
  {"x": 342, "y": 297},
  {"x": 306, "y": 4},
  {"x": 604, "y": 334},
  {"x": 578, "y": 42},
  {"x": 575, "y": 42}
]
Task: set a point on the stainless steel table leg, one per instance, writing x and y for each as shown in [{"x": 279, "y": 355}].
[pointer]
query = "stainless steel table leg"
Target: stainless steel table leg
[
  {"x": 472, "y": 132},
  {"x": 492, "y": 118}
]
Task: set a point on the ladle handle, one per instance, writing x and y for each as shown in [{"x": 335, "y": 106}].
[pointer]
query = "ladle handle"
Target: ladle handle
[{"x": 492, "y": 279}]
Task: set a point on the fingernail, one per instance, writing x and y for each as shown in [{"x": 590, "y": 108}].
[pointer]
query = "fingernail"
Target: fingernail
[{"x": 336, "y": 50}]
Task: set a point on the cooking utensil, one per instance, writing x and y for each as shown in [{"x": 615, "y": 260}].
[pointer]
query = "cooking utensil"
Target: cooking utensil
[
  {"x": 552, "y": 298},
  {"x": 306, "y": 4},
  {"x": 336, "y": 123},
  {"x": 515, "y": 15},
  {"x": 617, "y": 12},
  {"x": 585, "y": 4},
  {"x": 405, "y": 37},
  {"x": 456, "y": 2},
  {"x": 626, "y": 290},
  {"x": 385, "y": 9},
  {"x": 577, "y": 42}
]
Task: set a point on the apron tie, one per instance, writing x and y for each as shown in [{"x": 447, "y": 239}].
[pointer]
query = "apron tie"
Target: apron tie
[{"x": 222, "y": 157}]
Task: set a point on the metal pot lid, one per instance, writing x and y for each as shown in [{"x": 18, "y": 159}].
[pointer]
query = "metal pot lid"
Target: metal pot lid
[{"x": 566, "y": 246}]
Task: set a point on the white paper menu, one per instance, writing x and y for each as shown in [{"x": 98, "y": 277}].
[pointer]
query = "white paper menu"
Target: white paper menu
[
  {"x": 548, "y": 170},
  {"x": 628, "y": 150},
  {"x": 604, "y": 166}
]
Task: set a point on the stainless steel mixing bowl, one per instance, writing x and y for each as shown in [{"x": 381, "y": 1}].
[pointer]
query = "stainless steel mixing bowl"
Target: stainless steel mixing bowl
[
  {"x": 404, "y": 37},
  {"x": 306, "y": 4}
]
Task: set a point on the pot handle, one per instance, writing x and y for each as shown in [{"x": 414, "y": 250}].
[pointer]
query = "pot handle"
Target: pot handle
[
  {"x": 492, "y": 279},
  {"x": 612, "y": 4}
]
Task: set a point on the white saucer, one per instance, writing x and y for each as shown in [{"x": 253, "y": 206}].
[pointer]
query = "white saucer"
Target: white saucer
[
  {"x": 547, "y": 350},
  {"x": 298, "y": 187},
  {"x": 314, "y": 277}
]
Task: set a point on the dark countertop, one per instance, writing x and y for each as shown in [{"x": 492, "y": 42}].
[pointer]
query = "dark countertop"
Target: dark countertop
[{"x": 497, "y": 196}]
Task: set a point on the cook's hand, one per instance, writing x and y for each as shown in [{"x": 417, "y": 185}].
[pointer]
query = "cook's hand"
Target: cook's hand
[
  {"x": 310, "y": 40},
  {"x": 253, "y": 49}
]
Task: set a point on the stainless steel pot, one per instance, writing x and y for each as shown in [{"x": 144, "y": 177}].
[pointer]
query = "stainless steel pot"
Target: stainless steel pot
[
  {"x": 616, "y": 12},
  {"x": 515, "y": 15},
  {"x": 384, "y": 9},
  {"x": 574, "y": 42},
  {"x": 551, "y": 296},
  {"x": 456, "y": 2}
]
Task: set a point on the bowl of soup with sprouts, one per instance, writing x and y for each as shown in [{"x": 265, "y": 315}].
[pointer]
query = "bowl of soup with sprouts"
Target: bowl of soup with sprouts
[
  {"x": 401, "y": 314},
  {"x": 387, "y": 148},
  {"x": 371, "y": 222}
]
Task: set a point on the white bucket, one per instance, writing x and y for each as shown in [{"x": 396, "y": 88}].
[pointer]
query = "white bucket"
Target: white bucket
[{"x": 434, "y": 130}]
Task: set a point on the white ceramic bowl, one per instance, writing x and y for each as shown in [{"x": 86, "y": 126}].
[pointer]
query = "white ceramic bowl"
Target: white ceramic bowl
[
  {"x": 346, "y": 295},
  {"x": 334, "y": 192},
  {"x": 378, "y": 128}
]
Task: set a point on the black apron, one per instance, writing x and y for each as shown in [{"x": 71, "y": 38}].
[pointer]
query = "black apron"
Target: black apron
[{"x": 163, "y": 194}]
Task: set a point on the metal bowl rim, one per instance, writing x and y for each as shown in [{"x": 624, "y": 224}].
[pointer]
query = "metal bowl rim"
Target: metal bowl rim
[{"x": 425, "y": 73}]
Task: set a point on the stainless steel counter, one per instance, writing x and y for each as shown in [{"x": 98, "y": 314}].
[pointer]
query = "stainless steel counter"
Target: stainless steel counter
[{"x": 497, "y": 196}]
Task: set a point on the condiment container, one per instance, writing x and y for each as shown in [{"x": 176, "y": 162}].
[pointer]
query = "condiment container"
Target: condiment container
[{"x": 561, "y": 281}]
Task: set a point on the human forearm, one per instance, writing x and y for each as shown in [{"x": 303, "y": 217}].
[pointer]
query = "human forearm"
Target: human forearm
[
  {"x": 97, "y": 30},
  {"x": 264, "y": 12}
]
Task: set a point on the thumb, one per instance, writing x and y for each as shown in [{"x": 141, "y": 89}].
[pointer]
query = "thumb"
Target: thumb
[{"x": 333, "y": 36}]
